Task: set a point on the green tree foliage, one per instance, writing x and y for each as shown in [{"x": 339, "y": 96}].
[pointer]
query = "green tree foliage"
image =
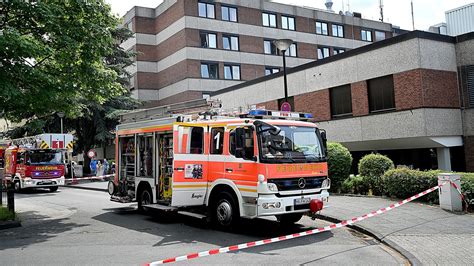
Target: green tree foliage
[
  {"x": 339, "y": 163},
  {"x": 372, "y": 167},
  {"x": 58, "y": 56}
]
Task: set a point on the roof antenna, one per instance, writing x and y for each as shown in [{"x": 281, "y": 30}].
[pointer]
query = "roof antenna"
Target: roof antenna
[
  {"x": 381, "y": 10},
  {"x": 412, "y": 16}
]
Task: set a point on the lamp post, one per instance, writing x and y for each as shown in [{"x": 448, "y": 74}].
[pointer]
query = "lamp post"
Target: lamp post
[
  {"x": 283, "y": 45},
  {"x": 61, "y": 116}
]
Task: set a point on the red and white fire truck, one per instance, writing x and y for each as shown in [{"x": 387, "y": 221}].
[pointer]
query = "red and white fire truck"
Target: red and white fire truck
[
  {"x": 261, "y": 163},
  {"x": 38, "y": 161}
]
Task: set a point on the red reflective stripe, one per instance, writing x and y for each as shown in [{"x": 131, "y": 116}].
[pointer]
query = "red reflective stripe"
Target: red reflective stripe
[
  {"x": 296, "y": 235},
  {"x": 344, "y": 222},
  {"x": 266, "y": 241},
  {"x": 321, "y": 229},
  {"x": 169, "y": 260},
  {"x": 213, "y": 251},
  {"x": 354, "y": 219},
  {"x": 392, "y": 206},
  {"x": 332, "y": 226},
  {"x": 250, "y": 244},
  {"x": 233, "y": 248},
  {"x": 383, "y": 209},
  {"x": 282, "y": 237}
]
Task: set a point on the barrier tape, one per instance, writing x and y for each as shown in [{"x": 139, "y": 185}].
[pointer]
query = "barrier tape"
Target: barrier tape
[
  {"x": 296, "y": 235},
  {"x": 89, "y": 178}
]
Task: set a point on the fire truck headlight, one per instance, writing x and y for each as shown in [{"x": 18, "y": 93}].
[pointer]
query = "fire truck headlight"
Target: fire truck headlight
[
  {"x": 272, "y": 187},
  {"x": 326, "y": 183},
  {"x": 261, "y": 178}
]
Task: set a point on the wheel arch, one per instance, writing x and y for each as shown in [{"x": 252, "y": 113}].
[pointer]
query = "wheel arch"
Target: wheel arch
[
  {"x": 224, "y": 185},
  {"x": 141, "y": 186}
]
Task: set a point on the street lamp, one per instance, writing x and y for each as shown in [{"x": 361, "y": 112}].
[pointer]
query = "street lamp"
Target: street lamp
[
  {"x": 61, "y": 116},
  {"x": 283, "y": 45}
]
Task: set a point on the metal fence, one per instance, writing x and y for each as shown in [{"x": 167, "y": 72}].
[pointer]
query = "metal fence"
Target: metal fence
[{"x": 7, "y": 193}]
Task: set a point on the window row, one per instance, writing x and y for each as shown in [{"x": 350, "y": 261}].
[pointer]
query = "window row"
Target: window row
[
  {"x": 211, "y": 71},
  {"x": 209, "y": 40},
  {"x": 380, "y": 92},
  {"x": 324, "y": 52},
  {"x": 270, "y": 48},
  {"x": 208, "y": 10}
]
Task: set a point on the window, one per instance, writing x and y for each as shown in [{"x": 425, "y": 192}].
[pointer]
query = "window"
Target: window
[
  {"x": 208, "y": 40},
  {"x": 338, "y": 30},
  {"x": 338, "y": 51},
  {"x": 269, "y": 47},
  {"x": 271, "y": 70},
  {"x": 366, "y": 35},
  {"x": 288, "y": 23},
  {"x": 381, "y": 95},
  {"x": 197, "y": 140},
  {"x": 470, "y": 84},
  {"x": 217, "y": 140},
  {"x": 321, "y": 28},
  {"x": 241, "y": 143},
  {"x": 291, "y": 51},
  {"x": 230, "y": 42},
  {"x": 341, "y": 101},
  {"x": 323, "y": 52},
  {"x": 209, "y": 70},
  {"x": 232, "y": 72},
  {"x": 269, "y": 20},
  {"x": 379, "y": 35},
  {"x": 206, "y": 10},
  {"x": 229, "y": 13}
]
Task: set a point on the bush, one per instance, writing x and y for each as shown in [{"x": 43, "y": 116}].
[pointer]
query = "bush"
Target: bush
[
  {"x": 355, "y": 185},
  {"x": 6, "y": 215},
  {"x": 372, "y": 167},
  {"x": 403, "y": 183},
  {"x": 339, "y": 164},
  {"x": 467, "y": 186}
]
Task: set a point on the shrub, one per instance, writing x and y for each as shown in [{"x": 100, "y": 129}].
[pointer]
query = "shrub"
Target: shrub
[
  {"x": 5, "y": 214},
  {"x": 339, "y": 163},
  {"x": 372, "y": 167},
  {"x": 467, "y": 186},
  {"x": 355, "y": 185},
  {"x": 403, "y": 183}
]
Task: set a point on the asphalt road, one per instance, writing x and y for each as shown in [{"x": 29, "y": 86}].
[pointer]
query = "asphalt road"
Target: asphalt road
[{"x": 74, "y": 226}]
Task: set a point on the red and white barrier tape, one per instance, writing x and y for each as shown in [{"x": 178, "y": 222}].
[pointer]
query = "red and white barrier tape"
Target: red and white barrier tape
[
  {"x": 89, "y": 178},
  {"x": 296, "y": 235}
]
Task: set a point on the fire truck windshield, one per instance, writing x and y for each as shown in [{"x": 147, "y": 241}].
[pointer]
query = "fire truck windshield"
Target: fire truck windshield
[
  {"x": 291, "y": 145},
  {"x": 41, "y": 157}
]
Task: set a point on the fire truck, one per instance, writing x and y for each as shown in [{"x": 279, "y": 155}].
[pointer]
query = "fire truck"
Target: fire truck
[
  {"x": 221, "y": 167},
  {"x": 37, "y": 161}
]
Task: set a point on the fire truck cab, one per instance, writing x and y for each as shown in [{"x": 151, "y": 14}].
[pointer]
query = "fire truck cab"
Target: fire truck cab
[
  {"x": 261, "y": 163},
  {"x": 37, "y": 162}
]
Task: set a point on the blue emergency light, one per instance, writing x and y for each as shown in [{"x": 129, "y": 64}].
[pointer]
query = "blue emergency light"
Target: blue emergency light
[{"x": 260, "y": 113}]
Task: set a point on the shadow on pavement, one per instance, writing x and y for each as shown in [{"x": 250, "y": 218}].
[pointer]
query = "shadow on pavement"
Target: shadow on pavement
[
  {"x": 36, "y": 233},
  {"x": 176, "y": 229}
]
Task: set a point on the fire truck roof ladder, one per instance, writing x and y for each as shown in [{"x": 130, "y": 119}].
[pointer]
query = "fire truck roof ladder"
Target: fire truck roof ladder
[{"x": 189, "y": 107}]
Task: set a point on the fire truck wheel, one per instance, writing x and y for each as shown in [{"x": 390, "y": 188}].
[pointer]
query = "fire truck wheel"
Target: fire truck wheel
[
  {"x": 225, "y": 211},
  {"x": 144, "y": 198},
  {"x": 17, "y": 186},
  {"x": 53, "y": 189},
  {"x": 289, "y": 219}
]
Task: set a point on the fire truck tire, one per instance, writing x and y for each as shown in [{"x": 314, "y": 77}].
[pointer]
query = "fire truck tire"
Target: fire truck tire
[
  {"x": 289, "y": 219},
  {"x": 111, "y": 188},
  {"x": 17, "y": 186},
  {"x": 144, "y": 198},
  {"x": 53, "y": 189},
  {"x": 225, "y": 211}
]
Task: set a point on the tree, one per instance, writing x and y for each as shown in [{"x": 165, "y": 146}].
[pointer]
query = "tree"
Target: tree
[{"x": 58, "y": 56}]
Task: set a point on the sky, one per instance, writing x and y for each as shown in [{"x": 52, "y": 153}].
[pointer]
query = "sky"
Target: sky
[{"x": 397, "y": 12}]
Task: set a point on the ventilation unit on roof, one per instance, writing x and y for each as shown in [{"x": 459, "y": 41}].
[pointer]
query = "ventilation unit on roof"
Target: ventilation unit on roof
[{"x": 357, "y": 15}]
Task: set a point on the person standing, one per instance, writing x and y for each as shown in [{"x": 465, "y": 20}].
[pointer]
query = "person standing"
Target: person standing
[
  {"x": 93, "y": 166},
  {"x": 106, "y": 167},
  {"x": 99, "y": 168}
]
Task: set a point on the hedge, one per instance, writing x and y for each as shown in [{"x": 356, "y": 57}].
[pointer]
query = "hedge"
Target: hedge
[
  {"x": 372, "y": 167},
  {"x": 339, "y": 164},
  {"x": 355, "y": 185}
]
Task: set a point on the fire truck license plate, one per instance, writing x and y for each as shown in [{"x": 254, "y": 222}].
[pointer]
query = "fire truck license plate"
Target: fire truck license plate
[{"x": 302, "y": 201}]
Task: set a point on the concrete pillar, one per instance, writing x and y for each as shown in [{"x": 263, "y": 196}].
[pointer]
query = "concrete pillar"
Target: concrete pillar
[{"x": 444, "y": 159}]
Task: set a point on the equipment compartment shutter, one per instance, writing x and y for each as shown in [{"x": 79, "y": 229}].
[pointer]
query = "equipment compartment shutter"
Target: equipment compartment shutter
[{"x": 470, "y": 84}]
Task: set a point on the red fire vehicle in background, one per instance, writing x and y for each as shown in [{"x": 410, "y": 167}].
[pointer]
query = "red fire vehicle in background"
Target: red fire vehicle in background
[{"x": 37, "y": 162}]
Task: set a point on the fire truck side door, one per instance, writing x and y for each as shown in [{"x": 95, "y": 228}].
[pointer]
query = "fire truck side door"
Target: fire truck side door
[
  {"x": 240, "y": 164},
  {"x": 190, "y": 166}
]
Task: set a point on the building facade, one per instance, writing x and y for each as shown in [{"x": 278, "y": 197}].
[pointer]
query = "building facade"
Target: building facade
[
  {"x": 409, "y": 97},
  {"x": 189, "y": 48}
]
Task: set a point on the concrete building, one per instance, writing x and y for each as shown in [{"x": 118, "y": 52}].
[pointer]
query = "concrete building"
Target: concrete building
[
  {"x": 410, "y": 97},
  {"x": 189, "y": 48}
]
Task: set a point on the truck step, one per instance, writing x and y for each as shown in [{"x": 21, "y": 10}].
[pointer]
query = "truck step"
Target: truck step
[
  {"x": 193, "y": 214},
  {"x": 159, "y": 207}
]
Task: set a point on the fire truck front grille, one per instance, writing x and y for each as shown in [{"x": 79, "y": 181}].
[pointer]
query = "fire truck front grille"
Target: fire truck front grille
[{"x": 295, "y": 183}]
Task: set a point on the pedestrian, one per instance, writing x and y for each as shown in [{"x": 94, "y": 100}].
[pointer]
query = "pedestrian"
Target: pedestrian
[
  {"x": 99, "y": 168},
  {"x": 106, "y": 167},
  {"x": 113, "y": 168},
  {"x": 93, "y": 166}
]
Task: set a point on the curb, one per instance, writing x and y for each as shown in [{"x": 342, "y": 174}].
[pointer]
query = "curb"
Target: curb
[
  {"x": 410, "y": 257},
  {"x": 9, "y": 224},
  {"x": 87, "y": 188}
]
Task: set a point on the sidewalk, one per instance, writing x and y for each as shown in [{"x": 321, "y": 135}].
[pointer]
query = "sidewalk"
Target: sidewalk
[{"x": 425, "y": 234}]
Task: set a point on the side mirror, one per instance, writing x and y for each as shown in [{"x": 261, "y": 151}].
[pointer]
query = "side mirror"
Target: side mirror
[{"x": 325, "y": 140}]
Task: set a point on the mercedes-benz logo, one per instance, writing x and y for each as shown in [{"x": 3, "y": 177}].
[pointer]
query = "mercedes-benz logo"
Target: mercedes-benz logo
[{"x": 301, "y": 183}]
